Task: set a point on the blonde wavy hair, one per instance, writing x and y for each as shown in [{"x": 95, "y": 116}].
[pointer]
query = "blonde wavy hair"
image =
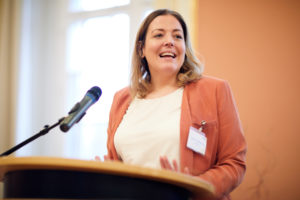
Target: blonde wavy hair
[{"x": 140, "y": 83}]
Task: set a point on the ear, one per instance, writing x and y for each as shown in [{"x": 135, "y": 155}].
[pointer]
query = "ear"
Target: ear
[{"x": 141, "y": 49}]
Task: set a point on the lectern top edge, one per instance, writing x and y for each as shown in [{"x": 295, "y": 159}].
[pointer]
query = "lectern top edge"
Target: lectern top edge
[{"x": 195, "y": 185}]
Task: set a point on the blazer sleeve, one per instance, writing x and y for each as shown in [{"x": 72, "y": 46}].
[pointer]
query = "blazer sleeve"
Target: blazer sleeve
[
  {"x": 118, "y": 108},
  {"x": 229, "y": 169},
  {"x": 111, "y": 152}
]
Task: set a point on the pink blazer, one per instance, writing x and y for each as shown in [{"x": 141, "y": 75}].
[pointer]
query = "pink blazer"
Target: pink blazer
[{"x": 208, "y": 99}]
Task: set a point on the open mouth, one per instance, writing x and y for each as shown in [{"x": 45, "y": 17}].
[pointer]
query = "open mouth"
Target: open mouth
[{"x": 167, "y": 54}]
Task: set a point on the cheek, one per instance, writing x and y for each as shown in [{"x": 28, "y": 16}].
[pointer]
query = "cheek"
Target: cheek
[
  {"x": 182, "y": 52},
  {"x": 149, "y": 50},
  {"x": 182, "y": 48}
]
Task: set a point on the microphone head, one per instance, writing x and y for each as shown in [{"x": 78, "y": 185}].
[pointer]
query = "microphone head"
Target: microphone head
[
  {"x": 78, "y": 111},
  {"x": 95, "y": 92}
]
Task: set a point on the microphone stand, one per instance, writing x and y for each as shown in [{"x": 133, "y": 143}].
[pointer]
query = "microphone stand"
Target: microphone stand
[{"x": 46, "y": 129}]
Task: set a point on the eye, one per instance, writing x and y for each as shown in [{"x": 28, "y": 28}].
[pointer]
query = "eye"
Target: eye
[
  {"x": 158, "y": 35},
  {"x": 178, "y": 36}
]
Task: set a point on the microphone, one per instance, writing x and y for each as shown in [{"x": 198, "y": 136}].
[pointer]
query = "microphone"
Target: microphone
[{"x": 78, "y": 111}]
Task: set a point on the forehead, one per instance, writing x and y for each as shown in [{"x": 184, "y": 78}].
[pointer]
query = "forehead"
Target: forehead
[{"x": 165, "y": 22}]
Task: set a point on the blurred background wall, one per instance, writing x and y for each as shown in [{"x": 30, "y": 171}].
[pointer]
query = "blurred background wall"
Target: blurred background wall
[
  {"x": 253, "y": 44},
  {"x": 256, "y": 46}
]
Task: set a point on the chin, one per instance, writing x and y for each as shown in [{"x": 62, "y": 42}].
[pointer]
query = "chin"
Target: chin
[{"x": 170, "y": 69}]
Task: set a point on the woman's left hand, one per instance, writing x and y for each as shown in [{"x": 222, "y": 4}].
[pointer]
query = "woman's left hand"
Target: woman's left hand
[{"x": 166, "y": 164}]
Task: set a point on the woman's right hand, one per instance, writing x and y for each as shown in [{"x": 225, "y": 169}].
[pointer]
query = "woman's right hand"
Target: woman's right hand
[{"x": 97, "y": 158}]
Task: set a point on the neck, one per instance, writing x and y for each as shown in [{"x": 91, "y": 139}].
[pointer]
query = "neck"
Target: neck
[{"x": 161, "y": 88}]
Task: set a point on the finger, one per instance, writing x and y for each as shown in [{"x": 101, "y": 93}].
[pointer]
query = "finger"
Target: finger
[
  {"x": 106, "y": 158},
  {"x": 186, "y": 170},
  {"x": 162, "y": 162},
  {"x": 97, "y": 158},
  {"x": 175, "y": 165},
  {"x": 167, "y": 163}
]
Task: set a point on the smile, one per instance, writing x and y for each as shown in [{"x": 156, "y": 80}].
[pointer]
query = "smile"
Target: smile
[{"x": 167, "y": 54}]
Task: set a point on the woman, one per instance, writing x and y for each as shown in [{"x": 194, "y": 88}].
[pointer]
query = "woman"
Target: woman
[{"x": 152, "y": 122}]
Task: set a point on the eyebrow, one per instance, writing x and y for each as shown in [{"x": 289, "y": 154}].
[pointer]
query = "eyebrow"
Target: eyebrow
[{"x": 161, "y": 29}]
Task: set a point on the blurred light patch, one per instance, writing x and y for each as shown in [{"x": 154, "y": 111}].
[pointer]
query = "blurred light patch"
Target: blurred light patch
[
  {"x": 90, "y": 5},
  {"x": 97, "y": 54}
]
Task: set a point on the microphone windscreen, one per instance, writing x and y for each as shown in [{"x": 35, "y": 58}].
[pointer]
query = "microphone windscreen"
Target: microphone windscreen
[{"x": 95, "y": 92}]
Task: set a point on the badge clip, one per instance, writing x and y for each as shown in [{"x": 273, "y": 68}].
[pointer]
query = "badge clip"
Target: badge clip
[{"x": 203, "y": 123}]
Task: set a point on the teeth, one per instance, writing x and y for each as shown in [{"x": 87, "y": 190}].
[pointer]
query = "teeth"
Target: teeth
[{"x": 168, "y": 54}]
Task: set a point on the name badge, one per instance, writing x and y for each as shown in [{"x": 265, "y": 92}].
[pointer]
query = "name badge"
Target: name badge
[{"x": 197, "y": 140}]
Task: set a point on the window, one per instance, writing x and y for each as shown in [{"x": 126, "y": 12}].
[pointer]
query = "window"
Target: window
[
  {"x": 98, "y": 53},
  {"x": 68, "y": 47}
]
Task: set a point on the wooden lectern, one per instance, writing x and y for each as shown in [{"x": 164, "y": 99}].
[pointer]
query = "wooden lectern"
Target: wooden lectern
[{"x": 59, "y": 178}]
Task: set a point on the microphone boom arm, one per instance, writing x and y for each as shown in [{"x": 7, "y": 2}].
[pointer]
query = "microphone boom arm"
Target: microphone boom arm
[
  {"x": 75, "y": 115},
  {"x": 46, "y": 129}
]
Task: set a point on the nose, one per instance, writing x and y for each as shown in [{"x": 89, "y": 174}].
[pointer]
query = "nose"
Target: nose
[
  {"x": 169, "y": 44},
  {"x": 169, "y": 41}
]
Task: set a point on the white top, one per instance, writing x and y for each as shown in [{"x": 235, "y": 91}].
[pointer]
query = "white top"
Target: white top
[{"x": 150, "y": 129}]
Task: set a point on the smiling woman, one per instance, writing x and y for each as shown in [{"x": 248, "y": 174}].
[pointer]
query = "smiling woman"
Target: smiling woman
[{"x": 171, "y": 117}]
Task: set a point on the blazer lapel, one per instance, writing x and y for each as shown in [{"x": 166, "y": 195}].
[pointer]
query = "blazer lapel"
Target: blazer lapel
[{"x": 186, "y": 155}]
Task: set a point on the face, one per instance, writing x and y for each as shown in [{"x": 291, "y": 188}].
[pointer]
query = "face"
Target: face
[{"x": 164, "y": 47}]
